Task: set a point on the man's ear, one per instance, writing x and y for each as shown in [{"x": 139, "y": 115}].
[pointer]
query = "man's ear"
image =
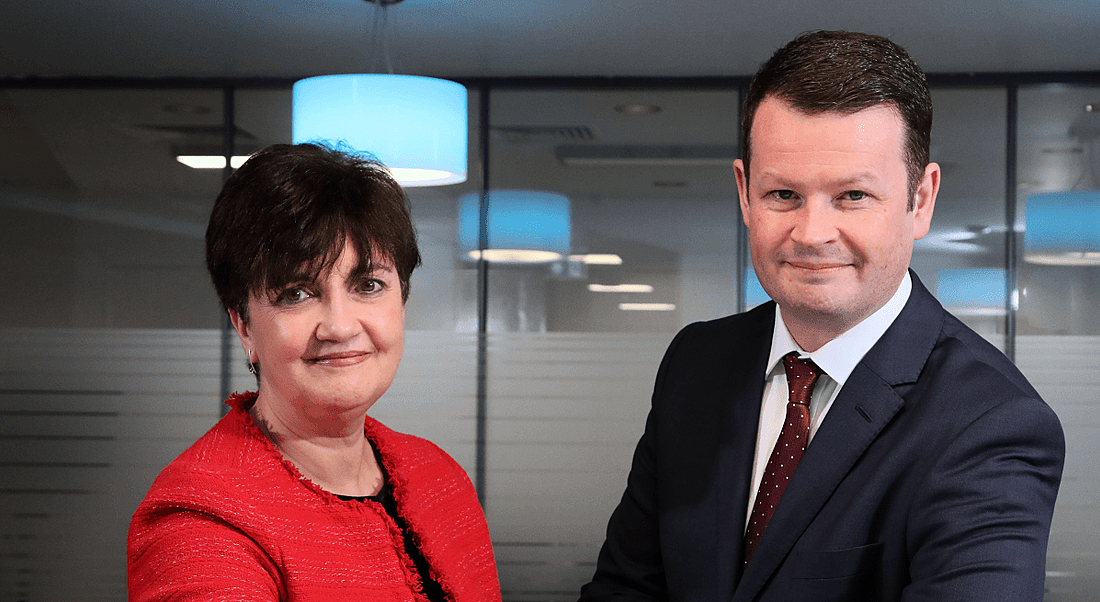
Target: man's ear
[
  {"x": 924, "y": 200},
  {"x": 742, "y": 189}
]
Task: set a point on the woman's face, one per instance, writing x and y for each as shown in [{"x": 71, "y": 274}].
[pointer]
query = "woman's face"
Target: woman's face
[{"x": 328, "y": 346}]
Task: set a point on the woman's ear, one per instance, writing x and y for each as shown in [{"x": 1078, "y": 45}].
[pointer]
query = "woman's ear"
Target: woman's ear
[{"x": 243, "y": 332}]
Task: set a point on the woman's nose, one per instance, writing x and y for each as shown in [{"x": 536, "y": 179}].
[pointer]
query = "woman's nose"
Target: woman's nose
[{"x": 338, "y": 320}]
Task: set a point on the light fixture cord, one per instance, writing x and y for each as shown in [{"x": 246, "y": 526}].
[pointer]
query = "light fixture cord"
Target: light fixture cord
[{"x": 380, "y": 38}]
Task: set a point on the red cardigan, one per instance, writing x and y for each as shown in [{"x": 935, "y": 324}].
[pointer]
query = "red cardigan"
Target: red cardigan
[{"x": 230, "y": 519}]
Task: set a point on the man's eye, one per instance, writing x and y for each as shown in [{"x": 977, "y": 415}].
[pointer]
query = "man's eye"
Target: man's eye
[
  {"x": 856, "y": 195},
  {"x": 784, "y": 195}
]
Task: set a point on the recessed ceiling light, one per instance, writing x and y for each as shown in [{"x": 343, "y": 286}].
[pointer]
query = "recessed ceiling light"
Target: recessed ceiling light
[
  {"x": 647, "y": 306},
  {"x": 637, "y": 108},
  {"x": 620, "y": 288},
  {"x": 597, "y": 259},
  {"x": 211, "y": 161}
]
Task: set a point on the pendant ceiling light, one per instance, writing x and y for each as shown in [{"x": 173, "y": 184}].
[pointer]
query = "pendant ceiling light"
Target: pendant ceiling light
[
  {"x": 1063, "y": 228},
  {"x": 522, "y": 226},
  {"x": 416, "y": 126},
  {"x": 972, "y": 291}
]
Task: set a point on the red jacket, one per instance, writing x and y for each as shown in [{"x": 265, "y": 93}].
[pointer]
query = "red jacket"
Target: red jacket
[{"x": 230, "y": 519}]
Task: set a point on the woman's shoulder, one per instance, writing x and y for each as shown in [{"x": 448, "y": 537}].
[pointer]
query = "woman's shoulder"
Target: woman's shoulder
[
  {"x": 232, "y": 454},
  {"x": 405, "y": 453}
]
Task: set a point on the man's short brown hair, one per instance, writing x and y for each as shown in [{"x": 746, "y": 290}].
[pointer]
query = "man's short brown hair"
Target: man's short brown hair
[{"x": 845, "y": 72}]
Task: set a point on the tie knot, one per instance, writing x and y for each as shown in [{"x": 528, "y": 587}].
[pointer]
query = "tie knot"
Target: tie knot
[{"x": 801, "y": 376}]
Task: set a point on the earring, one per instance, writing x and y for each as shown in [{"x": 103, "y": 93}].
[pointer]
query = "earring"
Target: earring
[{"x": 251, "y": 364}]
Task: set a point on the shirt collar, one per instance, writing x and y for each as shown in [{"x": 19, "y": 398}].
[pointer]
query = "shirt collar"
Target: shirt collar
[{"x": 839, "y": 357}]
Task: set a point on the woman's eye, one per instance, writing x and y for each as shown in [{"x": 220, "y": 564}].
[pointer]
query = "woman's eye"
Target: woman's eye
[
  {"x": 293, "y": 295},
  {"x": 371, "y": 285}
]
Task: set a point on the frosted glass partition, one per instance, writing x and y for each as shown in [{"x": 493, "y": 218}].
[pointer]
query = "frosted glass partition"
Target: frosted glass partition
[
  {"x": 1058, "y": 347},
  {"x": 565, "y": 411},
  {"x": 111, "y": 354},
  {"x": 574, "y": 344},
  {"x": 110, "y": 351},
  {"x": 90, "y": 416},
  {"x": 966, "y": 244}
]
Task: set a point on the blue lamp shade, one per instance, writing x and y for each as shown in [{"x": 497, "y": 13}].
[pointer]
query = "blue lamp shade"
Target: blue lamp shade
[
  {"x": 416, "y": 126},
  {"x": 972, "y": 291},
  {"x": 1063, "y": 228},
  {"x": 523, "y": 226}
]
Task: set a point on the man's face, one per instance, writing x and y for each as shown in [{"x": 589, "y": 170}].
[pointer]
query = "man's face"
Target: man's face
[{"x": 826, "y": 208}]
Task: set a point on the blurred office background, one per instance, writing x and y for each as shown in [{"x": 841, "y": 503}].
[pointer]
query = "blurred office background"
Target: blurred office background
[{"x": 535, "y": 377}]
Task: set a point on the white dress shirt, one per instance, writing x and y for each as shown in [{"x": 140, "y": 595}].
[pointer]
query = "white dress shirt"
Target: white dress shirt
[{"x": 836, "y": 360}]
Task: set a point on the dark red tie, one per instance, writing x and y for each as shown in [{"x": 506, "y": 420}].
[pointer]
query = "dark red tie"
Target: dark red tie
[{"x": 801, "y": 376}]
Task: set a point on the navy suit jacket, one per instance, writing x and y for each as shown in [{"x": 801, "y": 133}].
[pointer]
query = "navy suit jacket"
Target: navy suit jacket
[{"x": 932, "y": 477}]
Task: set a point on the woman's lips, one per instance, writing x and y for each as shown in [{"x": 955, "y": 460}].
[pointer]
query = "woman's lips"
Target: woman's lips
[{"x": 343, "y": 358}]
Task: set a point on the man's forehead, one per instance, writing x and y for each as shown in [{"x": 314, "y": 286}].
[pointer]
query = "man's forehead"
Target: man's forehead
[
  {"x": 780, "y": 125},
  {"x": 786, "y": 104}
]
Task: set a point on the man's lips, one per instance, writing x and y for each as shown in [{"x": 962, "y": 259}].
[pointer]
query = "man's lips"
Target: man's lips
[
  {"x": 816, "y": 266},
  {"x": 341, "y": 358}
]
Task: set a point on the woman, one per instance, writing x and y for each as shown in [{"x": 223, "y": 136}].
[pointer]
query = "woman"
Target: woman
[{"x": 298, "y": 494}]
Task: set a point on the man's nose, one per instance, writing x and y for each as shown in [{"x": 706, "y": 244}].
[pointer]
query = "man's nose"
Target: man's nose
[{"x": 815, "y": 223}]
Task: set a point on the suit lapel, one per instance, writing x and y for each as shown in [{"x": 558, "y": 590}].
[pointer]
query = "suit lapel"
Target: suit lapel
[
  {"x": 741, "y": 394},
  {"x": 865, "y": 405}
]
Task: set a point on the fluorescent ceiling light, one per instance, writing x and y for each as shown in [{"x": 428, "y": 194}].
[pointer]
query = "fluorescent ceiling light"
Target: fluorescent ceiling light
[
  {"x": 647, "y": 306},
  {"x": 620, "y": 288},
  {"x": 597, "y": 259},
  {"x": 211, "y": 161},
  {"x": 515, "y": 256}
]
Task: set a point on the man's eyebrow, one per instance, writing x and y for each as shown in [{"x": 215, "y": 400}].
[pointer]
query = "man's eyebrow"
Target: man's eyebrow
[{"x": 773, "y": 180}]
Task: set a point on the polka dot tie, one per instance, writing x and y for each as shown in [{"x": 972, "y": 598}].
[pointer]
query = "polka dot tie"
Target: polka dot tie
[{"x": 801, "y": 376}]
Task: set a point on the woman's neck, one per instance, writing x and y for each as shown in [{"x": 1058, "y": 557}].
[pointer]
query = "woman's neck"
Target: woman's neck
[{"x": 339, "y": 462}]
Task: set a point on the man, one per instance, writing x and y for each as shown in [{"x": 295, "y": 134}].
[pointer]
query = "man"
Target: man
[{"x": 932, "y": 465}]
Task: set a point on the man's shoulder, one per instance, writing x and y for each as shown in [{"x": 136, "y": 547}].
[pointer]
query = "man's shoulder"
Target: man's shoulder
[
  {"x": 705, "y": 352},
  {"x": 963, "y": 355}
]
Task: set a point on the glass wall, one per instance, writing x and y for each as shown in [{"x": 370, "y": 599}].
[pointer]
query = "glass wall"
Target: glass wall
[
  {"x": 645, "y": 181},
  {"x": 962, "y": 259},
  {"x": 110, "y": 346},
  {"x": 115, "y": 356},
  {"x": 1058, "y": 324}
]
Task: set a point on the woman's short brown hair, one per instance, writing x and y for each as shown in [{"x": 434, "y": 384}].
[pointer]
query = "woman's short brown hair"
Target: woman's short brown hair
[{"x": 290, "y": 206}]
